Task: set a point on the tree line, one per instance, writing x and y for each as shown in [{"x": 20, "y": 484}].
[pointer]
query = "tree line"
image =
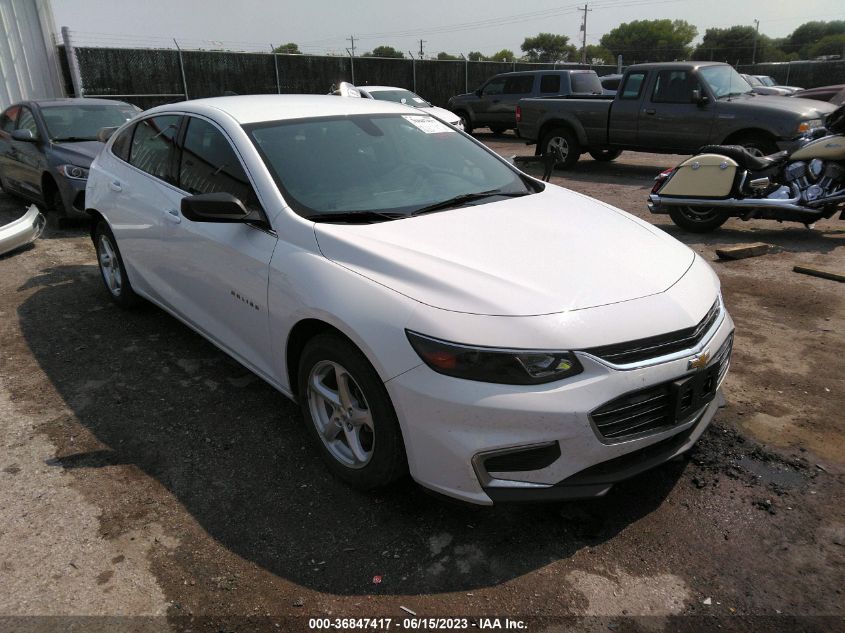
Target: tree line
[{"x": 663, "y": 40}]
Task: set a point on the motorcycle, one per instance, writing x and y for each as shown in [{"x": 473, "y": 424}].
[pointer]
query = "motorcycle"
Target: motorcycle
[{"x": 804, "y": 185}]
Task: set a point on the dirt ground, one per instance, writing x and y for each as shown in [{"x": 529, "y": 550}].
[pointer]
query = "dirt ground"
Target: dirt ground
[{"x": 149, "y": 480}]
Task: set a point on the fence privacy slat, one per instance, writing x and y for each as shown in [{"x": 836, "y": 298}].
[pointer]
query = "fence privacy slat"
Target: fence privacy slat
[{"x": 152, "y": 76}]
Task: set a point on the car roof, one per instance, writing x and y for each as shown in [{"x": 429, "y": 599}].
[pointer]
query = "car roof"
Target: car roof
[
  {"x": 49, "y": 103},
  {"x": 247, "y": 109},
  {"x": 675, "y": 65},
  {"x": 382, "y": 88}
]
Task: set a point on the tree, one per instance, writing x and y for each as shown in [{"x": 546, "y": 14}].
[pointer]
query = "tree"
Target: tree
[
  {"x": 475, "y": 56},
  {"x": 385, "y": 51},
  {"x": 829, "y": 45},
  {"x": 802, "y": 39},
  {"x": 650, "y": 40},
  {"x": 290, "y": 48},
  {"x": 443, "y": 55},
  {"x": 504, "y": 55},
  {"x": 548, "y": 47},
  {"x": 599, "y": 55}
]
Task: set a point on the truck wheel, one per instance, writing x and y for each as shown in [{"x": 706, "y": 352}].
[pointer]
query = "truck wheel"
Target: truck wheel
[
  {"x": 564, "y": 144},
  {"x": 605, "y": 155},
  {"x": 698, "y": 219},
  {"x": 466, "y": 124},
  {"x": 757, "y": 144}
]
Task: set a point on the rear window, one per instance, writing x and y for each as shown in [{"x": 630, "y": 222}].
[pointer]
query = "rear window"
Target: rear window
[
  {"x": 585, "y": 83},
  {"x": 154, "y": 146},
  {"x": 520, "y": 85},
  {"x": 550, "y": 83}
]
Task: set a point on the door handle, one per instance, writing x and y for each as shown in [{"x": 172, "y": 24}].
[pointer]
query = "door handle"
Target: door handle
[
  {"x": 172, "y": 215},
  {"x": 114, "y": 185},
  {"x": 649, "y": 111}
]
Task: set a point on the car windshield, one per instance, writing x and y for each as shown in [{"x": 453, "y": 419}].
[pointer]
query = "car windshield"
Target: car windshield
[
  {"x": 400, "y": 96},
  {"x": 389, "y": 165},
  {"x": 724, "y": 81},
  {"x": 82, "y": 122},
  {"x": 766, "y": 80}
]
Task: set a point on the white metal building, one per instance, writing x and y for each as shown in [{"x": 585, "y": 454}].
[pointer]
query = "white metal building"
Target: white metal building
[{"x": 29, "y": 67}]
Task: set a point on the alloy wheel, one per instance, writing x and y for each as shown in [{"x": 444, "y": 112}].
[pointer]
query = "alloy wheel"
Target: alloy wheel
[
  {"x": 341, "y": 414},
  {"x": 558, "y": 146},
  {"x": 109, "y": 265}
]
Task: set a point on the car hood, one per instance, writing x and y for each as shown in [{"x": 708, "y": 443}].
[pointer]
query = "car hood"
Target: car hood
[
  {"x": 549, "y": 252},
  {"x": 79, "y": 153},
  {"x": 801, "y": 108},
  {"x": 442, "y": 113}
]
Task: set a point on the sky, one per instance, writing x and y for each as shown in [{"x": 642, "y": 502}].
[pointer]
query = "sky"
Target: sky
[{"x": 320, "y": 26}]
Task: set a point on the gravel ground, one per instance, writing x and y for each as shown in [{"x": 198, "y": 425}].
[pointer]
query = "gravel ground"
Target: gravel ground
[{"x": 143, "y": 473}]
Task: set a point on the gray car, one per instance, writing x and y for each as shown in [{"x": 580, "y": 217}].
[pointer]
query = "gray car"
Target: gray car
[{"x": 46, "y": 147}]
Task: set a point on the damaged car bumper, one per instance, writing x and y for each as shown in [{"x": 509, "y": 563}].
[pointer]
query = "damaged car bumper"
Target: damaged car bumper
[{"x": 22, "y": 231}]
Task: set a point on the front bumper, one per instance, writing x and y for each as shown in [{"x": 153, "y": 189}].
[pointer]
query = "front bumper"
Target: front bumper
[
  {"x": 451, "y": 426},
  {"x": 22, "y": 231},
  {"x": 72, "y": 191}
]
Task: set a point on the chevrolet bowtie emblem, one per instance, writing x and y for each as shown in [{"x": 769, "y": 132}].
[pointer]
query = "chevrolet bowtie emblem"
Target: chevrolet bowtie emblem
[{"x": 699, "y": 362}]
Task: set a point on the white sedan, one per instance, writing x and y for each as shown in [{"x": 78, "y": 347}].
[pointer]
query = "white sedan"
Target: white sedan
[
  {"x": 432, "y": 309},
  {"x": 398, "y": 95}
]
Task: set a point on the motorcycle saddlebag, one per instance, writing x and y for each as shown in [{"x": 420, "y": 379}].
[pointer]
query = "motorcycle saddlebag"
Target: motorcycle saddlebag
[{"x": 702, "y": 176}]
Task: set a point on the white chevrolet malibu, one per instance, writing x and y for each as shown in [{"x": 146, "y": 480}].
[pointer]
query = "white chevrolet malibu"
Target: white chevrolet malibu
[{"x": 432, "y": 309}]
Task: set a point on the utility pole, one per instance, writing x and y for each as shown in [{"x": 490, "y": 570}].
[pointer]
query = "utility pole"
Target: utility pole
[
  {"x": 754, "y": 50},
  {"x": 351, "y": 39},
  {"x": 584, "y": 34},
  {"x": 421, "y": 48}
]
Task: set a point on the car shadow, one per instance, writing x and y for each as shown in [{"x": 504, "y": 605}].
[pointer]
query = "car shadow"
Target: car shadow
[{"x": 234, "y": 454}]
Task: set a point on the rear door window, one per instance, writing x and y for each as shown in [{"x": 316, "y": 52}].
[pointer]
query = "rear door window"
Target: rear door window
[
  {"x": 209, "y": 164},
  {"x": 633, "y": 86},
  {"x": 153, "y": 147},
  {"x": 550, "y": 84},
  {"x": 519, "y": 85}
]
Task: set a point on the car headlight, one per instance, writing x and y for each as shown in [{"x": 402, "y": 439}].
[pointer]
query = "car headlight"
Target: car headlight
[
  {"x": 806, "y": 126},
  {"x": 487, "y": 364},
  {"x": 73, "y": 171}
]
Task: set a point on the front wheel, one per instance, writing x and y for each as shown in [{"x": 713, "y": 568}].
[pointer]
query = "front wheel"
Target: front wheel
[
  {"x": 605, "y": 155},
  {"x": 697, "y": 219},
  {"x": 757, "y": 144},
  {"x": 349, "y": 414},
  {"x": 563, "y": 143}
]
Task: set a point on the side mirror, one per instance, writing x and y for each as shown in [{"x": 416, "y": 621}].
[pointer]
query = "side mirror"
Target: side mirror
[
  {"x": 699, "y": 98},
  {"x": 24, "y": 135},
  {"x": 478, "y": 92},
  {"x": 216, "y": 207}
]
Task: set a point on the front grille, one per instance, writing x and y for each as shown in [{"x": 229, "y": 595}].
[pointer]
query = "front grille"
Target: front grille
[
  {"x": 660, "y": 345},
  {"x": 662, "y": 406}
]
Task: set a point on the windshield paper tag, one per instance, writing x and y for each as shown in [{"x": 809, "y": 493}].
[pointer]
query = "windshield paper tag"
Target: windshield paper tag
[{"x": 427, "y": 124}]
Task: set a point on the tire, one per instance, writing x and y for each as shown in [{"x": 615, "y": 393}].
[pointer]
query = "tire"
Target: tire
[
  {"x": 112, "y": 269},
  {"x": 702, "y": 220},
  {"x": 364, "y": 449},
  {"x": 564, "y": 140},
  {"x": 605, "y": 155},
  {"x": 498, "y": 129},
  {"x": 55, "y": 208},
  {"x": 757, "y": 144},
  {"x": 466, "y": 122}
]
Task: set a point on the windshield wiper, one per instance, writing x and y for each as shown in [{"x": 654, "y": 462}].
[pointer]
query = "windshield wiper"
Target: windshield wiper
[
  {"x": 72, "y": 139},
  {"x": 467, "y": 197},
  {"x": 355, "y": 217}
]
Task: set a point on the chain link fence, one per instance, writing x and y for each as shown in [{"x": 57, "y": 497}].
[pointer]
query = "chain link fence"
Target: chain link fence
[{"x": 150, "y": 77}]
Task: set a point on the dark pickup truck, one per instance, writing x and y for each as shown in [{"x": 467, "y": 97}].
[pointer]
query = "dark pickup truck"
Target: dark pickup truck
[{"x": 673, "y": 108}]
